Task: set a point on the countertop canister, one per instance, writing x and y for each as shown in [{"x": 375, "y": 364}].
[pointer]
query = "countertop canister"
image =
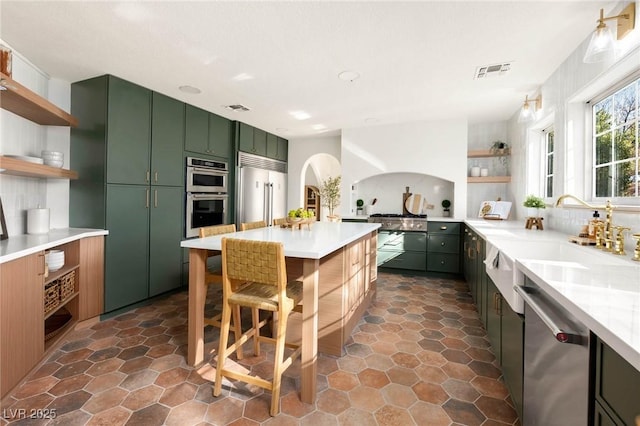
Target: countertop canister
[{"x": 37, "y": 221}]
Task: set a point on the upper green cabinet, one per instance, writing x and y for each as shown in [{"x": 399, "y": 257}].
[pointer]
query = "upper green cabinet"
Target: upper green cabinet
[
  {"x": 129, "y": 135},
  {"x": 167, "y": 135},
  {"x": 207, "y": 133},
  {"x": 258, "y": 142}
]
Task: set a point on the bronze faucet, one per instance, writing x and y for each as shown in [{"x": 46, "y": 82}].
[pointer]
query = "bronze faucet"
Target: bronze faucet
[{"x": 607, "y": 238}]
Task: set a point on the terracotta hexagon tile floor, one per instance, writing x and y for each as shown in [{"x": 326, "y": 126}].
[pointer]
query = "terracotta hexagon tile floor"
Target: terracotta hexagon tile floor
[{"x": 419, "y": 356}]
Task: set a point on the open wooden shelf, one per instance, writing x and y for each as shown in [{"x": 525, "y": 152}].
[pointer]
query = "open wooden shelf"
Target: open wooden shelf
[
  {"x": 489, "y": 179},
  {"x": 21, "y": 101},
  {"x": 62, "y": 304},
  {"x": 59, "y": 273},
  {"x": 13, "y": 166},
  {"x": 486, "y": 153}
]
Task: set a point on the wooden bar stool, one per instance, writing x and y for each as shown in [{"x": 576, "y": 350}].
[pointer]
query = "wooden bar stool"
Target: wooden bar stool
[
  {"x": 253, "y": 225},
  {"x": 262, "y": 265},
  {"x": 280, "y": 221},
  {"x": 214, "y": 276}
]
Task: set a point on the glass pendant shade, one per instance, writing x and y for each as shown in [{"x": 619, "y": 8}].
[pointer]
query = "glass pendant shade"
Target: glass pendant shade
[
  {"x": 527, "y": 114},
  {"x": 601, "y": 46}
]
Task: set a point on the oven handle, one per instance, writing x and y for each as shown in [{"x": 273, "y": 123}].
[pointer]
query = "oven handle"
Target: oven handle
[
  {"x": 210, "y": 196},
  {"x": 209, "y": 171},
  {"x": 561, "y": 335}
]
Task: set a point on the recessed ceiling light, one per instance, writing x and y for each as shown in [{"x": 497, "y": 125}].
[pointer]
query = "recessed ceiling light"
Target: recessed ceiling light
[
  {"x": 371, "y": 120},
  {"x": 190, "y": 89},
  {"x": 319, "y": 127},
  {"x": 348, "y": 75},
  {"x": 300, "y": 115}
]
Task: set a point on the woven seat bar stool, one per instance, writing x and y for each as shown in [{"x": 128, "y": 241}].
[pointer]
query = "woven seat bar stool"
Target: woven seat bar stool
[
  {"x": 214, "y": 276},
  {"x": 253, "y": 225},
  {"x": 262, "y": 265},
  {"x": 280, "y": 221}
]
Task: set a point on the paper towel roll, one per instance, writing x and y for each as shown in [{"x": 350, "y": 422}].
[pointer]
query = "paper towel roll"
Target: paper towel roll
[{"x": 37, "y": 221}]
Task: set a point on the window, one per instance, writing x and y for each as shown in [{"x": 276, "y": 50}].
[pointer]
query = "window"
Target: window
[
  {"x": 616, "y": 159},
  {"x": 548, "y": 162}
]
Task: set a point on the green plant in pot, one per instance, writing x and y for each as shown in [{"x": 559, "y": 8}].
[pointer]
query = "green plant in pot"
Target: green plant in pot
[
  {"x": 446, "y": 204},
  {"x": 330, "y": 195},
  {"x": 359, "y": 206},
  {"x": 501, "y": 150},
  {"x": 533, "y": 205}
]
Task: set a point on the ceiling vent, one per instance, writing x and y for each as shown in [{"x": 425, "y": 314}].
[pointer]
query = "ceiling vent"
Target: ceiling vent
[
  {"x": 492, "y": 70},
  {"x": 237, "y": 108}
]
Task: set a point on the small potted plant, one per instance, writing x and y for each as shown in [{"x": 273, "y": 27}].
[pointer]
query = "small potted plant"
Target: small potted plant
[
  {"x": 501, "y": 150},
  {"x": 359, "y": 206},
  {"x": 533, "y": 205},
  {"x": 445, "y": 208},
  {"x": 330, "y": 196}
]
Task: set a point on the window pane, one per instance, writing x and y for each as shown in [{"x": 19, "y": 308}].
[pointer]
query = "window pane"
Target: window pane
[
  {"x": 603, "y": 181},
  {"x": 550, "y": 142},
  {"x": 625, "y": 174},
  {"x": 625, "y": 104},
  {"x": 625, "y": 143},
  {"x": 602, "y": 115},
  {"x": 603, "y": 148},
  {"x": 549, "y": 187}
]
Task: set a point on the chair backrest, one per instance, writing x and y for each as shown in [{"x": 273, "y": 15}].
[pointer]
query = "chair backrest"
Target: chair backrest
[
  {"x": 209, "y": 231},
  {"x": 253, "y": 261},
  {"x": 253, "y": 225},
  {"x": 280, "y": 221}
]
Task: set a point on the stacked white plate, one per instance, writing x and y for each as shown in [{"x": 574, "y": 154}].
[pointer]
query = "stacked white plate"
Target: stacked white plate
[
  {"x": 55, "y": 259},
  {"x": 53, "y": 158}
]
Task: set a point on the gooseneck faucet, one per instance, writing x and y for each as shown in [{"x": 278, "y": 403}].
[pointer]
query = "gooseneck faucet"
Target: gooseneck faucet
[{"x": 608, "y": 226}]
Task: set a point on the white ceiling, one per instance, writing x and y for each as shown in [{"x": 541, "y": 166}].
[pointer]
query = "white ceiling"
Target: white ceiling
[{"x": 416, "y": 59}]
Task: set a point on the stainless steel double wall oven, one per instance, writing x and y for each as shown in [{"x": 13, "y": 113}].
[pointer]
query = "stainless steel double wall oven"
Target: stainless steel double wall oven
[{"x": 207, "y": 196}]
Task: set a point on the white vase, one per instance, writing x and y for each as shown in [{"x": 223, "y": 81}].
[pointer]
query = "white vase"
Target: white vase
[
  {"x": 532, "y": 212},
  {"x": 368, "y": 209}
]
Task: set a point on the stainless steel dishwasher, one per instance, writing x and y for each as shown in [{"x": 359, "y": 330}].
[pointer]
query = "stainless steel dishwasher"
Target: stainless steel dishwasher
[{"x": 556, "y": 362}]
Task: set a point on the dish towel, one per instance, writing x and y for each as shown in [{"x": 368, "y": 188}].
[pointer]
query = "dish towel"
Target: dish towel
[{"x": 493, "y": 258}]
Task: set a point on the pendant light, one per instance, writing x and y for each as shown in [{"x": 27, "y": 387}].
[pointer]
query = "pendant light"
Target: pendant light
[{"x": 529, "y": 112}]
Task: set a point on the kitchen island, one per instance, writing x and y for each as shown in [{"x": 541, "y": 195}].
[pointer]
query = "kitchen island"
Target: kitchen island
[{"x": 336, "y": 263}]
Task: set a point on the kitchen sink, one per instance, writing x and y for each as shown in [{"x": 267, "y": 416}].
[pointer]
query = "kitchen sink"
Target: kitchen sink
[{"x": 567, "y": 254}]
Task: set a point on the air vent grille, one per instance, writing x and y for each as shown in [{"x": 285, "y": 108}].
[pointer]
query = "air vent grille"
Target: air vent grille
[
  {"x": 249, "y": 160},
  {"x": 237, "y": 107},
  {"x": 492, "y": 70}
]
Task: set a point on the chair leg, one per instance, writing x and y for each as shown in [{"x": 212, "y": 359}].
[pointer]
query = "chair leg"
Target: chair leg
[
  {"x": 222, "y": 348},
  {"x": 237, "y": 329},
  {"x": 281, "y": 335},
  {"x": 255, "y": 318}
]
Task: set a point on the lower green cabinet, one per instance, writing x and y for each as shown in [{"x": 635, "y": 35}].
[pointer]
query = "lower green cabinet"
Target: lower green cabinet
[
  {"x": 617, "y": 388},
  {"x": 127, "y": 246},
  {"x": 165, "y": 253},
  {"x": 402, "y": 250},
  {"x": 493, "y": 318},
  {"x": 443, "y": 247},
  {"x": 512, "y": 353}
]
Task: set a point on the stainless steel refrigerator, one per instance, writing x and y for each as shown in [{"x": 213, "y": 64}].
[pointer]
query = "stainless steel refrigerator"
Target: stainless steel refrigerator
[{"x": 262, "y": 191}]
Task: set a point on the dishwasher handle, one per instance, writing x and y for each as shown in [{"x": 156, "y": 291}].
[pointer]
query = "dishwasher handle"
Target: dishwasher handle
[{"x": 561, "y": 335}]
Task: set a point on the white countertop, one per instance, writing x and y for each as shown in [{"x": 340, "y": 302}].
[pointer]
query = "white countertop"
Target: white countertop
[
  {"x": 17, "y": 246},
  {"x": 600, "y": 289},
  {"x": 315, "y": 243}
]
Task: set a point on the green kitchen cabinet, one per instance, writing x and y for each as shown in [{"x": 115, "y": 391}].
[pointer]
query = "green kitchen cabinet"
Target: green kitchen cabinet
[
  {"x": 443, "y": 247},
  {"x": 272, "y": 146},
  {"x": 129, "y": 136},
  {"x": 127, "y": 245},
  {"x": 512, "y": 352},
  {"x": 283, "y": 150},
  {"x": 207, "y": 133},
  {"x": 167, "y": 135},
  {"x": 107, "y": 146},
  {"x": 196, "y": 136},
  {"x": 165, "y": 234},
  {"x": 402, "y": 250},
  {"x": 617, "y": 387},
  {"x": 252, "y": 140},
  {"x": 493, "y": 318},
  {"x": 220, "y": 130}
]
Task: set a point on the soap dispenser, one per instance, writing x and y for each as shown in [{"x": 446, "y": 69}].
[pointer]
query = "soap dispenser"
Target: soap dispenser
[{"x": 593, "y": 224}]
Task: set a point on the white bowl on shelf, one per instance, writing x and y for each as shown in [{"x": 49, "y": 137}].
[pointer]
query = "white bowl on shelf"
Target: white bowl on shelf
[
  {"x": 52, "y": 154},
  {"x": 54, "y": 259},
  {"x": 53, "y": 163}
]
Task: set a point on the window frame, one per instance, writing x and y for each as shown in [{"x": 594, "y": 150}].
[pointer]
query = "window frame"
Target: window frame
[
  {"x": 546, "y": 175},
  {"x": 590, "y": 189}
]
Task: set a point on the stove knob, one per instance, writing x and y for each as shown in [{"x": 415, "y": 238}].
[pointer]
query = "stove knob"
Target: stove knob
[
  {"x": 411, "y": 225},
  {"x": 419, "y": 225}
]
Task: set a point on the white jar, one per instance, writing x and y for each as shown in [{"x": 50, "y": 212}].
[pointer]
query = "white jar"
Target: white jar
[
  {"x": 475, "y": 171},
  {"x": 484, "y": 172},
  {"x": 37, "y": 221}
]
